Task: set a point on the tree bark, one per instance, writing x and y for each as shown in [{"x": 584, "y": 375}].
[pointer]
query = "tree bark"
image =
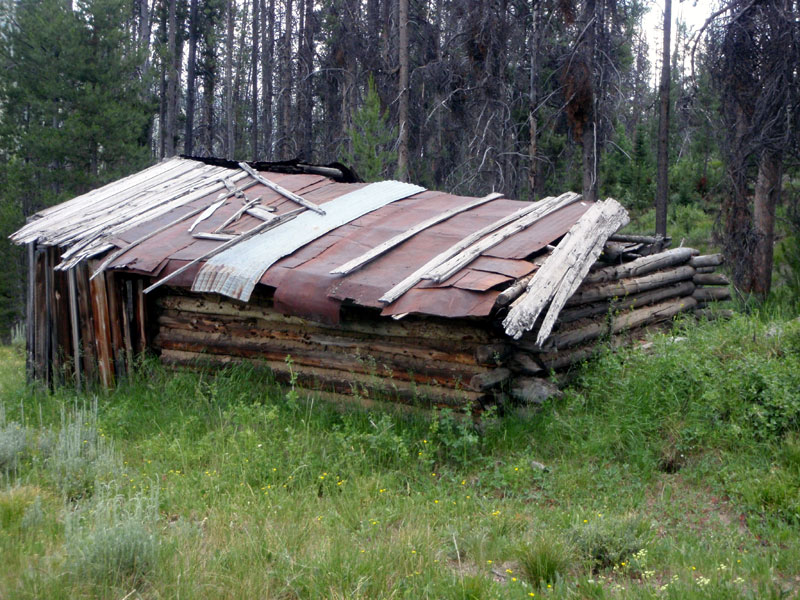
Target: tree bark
[
  {"x": 229, "y": 116},
  {"x": 662, "y": 181},
  {"x": 188, "y": 137},
  {"x": 285, "y": 141},
  {"x": 402, "y": 112},
  {"x": 267, "y": 57},
  {"x": 589, "y": 137},
  {"x": 533, "y": 99},
  {"x": 254, "y": 95},
  {"x": 172, "y": 80},
  {"x": 306, "y": 83},
  {"x": 766, "y": 198}
]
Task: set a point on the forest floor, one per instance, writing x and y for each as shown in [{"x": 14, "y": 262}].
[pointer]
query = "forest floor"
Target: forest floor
[{"x": 670, "y": 473}]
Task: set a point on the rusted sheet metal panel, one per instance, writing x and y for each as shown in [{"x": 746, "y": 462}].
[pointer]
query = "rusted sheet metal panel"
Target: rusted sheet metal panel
[
  {"x": 443, "y": 302},
  {"x": 235, "y": 271},
  {"x": 503, "y": 266},
  {"x": 540, "y": 234}
]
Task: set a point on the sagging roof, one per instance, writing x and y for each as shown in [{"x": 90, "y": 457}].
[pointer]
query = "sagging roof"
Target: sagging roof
[{"x": 388, "y": 245}]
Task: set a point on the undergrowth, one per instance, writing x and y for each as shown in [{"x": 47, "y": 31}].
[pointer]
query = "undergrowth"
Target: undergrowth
[{"x": 671, "y": 472}]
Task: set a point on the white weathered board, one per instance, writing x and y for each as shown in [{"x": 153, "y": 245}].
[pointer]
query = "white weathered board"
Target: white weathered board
[{"x": 562, "y": 273}]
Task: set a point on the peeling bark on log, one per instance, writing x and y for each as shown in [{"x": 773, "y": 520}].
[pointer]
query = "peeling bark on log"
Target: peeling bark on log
[
  {"x": 684, "y": 288},
  {"x": 642, "y": 266},
  {"x": 626, "y": 287}
]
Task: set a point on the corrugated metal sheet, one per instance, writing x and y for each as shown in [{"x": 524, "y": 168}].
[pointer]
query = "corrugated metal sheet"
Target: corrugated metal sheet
[{"x": 236, "y": 271}]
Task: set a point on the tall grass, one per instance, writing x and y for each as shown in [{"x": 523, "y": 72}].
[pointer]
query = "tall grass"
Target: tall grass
[{"x": 671, "y": 473}]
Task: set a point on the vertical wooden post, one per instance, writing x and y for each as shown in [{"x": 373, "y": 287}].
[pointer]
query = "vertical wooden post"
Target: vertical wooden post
[
  {"x": 127, "y": 319},
  {"x": 40, "y": 319},
  {"x": 30, "y": 313},
  {"x": 73, "y": 317},
  {"x": 86, "y": 322},
  {"x": 141, "y": 312},
  {"x": 48, "y": 318},
  {"x": 102, "y": 330},
  {"x": 115, "y": 327}
]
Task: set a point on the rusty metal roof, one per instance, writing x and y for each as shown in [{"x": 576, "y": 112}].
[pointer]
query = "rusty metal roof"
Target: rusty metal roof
[{"x": 141, "y": 224}]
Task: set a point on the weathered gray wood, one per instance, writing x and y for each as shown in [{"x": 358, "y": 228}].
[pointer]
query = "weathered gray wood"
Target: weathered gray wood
[
  {"x": 642, "y": 266},
  {"x": 280, "y": 190},
  {"x": 581, "y": 311},
  {"x": 30, "y": 313},
  {"x": 208, "y": 212},
  {"x": 638, "y": 239},
  {"x": 238, "y": 214},
  {"x": 459, "y": 261},
  {"x": 710, "y": 279},
  {"x": 629, "y": 320},
  {"x": 524, "y": 363},
  {"x": 491, "y": 354},
  {"x": 75, "y": 324},
  {"x": 381, "y": 249},
  {"x": 261, "y": 212},
  {"x": 705, "y": 269},
  {"x": 266, "y": 225},
  {"x": 707, "y": 260},
  {"x": 216, "y": 237},
  {"x": 712, "y": 294},
  {"x": 563, "y": 271},
  {"x": 626, "y": 287},
  {"x": 486, "y": 381},
  {"x": 711, "y": 314},
  {"x": 415, "y": 277},
  {"x": 116, "y": 254},
  {"x": 534, "y": 390}
]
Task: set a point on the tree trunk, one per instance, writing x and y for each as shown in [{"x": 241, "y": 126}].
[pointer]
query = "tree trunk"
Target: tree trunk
[
  {"x": 662, "y": 182},
  {"x": 188, "y": 138},
  {"x": 402, "y": 111},
  {"x": 267, "y": 55},
  {"x": 172, "y": 81},
  {"x": 254, "y": 96},
  {"x": 589, "y": 133},
  {"x": 285, "y": 141},
  {"x": 229, "y": 116},
  {"x": 533, "y": 99},
  {"x": 766, "y": 198},
  {"x": 306, "y": 84}
]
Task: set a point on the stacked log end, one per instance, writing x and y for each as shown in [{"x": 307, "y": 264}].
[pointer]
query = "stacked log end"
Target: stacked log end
[{"x": 642, "y": 289}]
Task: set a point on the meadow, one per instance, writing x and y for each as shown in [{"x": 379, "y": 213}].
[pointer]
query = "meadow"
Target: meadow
[{"x": 670, "y": 472}]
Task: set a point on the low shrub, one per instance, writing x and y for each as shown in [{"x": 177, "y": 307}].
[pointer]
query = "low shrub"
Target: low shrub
[
  {"x": 608, "y": 541},
  {"x": 544, "y": 559},
  {"x": 13, "y": 442}
]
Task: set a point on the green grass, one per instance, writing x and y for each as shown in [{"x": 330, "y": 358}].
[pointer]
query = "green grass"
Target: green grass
[{"x": 670, "y": 474}]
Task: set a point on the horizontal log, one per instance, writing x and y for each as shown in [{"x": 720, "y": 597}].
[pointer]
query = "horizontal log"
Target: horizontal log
[
  {"x": 235, "y": 328},
  {"x": 710, "y": 279},
  {"x": 707, "y": 260},
  {"x": 683, "y": 288},
  {"x": 705, "y": 269},
  {"x": 639, "y": 239},
  {"x": 561, "y": 359},
  {"x": 712, "y": 294},
  {"x": 642, "y": 266},
  {"x": 433, "y": 329},
  {"x": 534, "y": 390},
  {"x": 334, "y": 380},
  {"x": 491, "y": 354},
  {"x": 343, "y": 355},
  {"x": 483, "y": 382},
  {"x": 629, "y": 320},
  {"x": 711, "y": 314},
  {"x": 626, "y": 287},
  {"x": 523, "y": 363}
]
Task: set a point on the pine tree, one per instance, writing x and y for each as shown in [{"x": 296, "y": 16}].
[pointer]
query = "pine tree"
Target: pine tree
[{"x": 371, "y": 139}]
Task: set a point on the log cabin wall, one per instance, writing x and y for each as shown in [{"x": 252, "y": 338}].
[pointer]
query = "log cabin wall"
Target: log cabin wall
[{"x": 414, "y": 360}]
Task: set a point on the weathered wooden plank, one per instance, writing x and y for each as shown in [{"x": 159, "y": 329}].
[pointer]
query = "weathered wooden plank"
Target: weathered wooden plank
[
  {"x": 49, "y": 354},
  {"x": 86, "y": 318},
  {"x": 215, "y": 237},
  {"x": 30, "y": 312},
  {"x": 207, "y": 213},
  {"x": 454, "y": 264},
  {"x": 237, "y": 215},
  {"x": 140, "y": 317},
  {"x": 581, "y": 311},
  {"x": 483, "y": 382},
  {"x": 102, "y": 331},
  {"x": 557, "y": 279},
  {"x": 282, "y": 191},
  {"x": 626, "y": 287},
  {"x": 76, "y": 328},
  {"x": 642, "y": 266},
  {"x": 115, "y": 325},
  {"x": 261, "y": 227},
  {"x": 381, "y": 249},
  {"x": 406, "y": 284}
]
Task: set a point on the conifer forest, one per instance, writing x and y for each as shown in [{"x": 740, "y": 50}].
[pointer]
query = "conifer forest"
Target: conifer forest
[{"x": 524, "y": 97}]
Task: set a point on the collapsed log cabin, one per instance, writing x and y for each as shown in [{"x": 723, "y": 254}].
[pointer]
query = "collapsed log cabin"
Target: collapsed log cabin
[{"x": 383, "y": 290}]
